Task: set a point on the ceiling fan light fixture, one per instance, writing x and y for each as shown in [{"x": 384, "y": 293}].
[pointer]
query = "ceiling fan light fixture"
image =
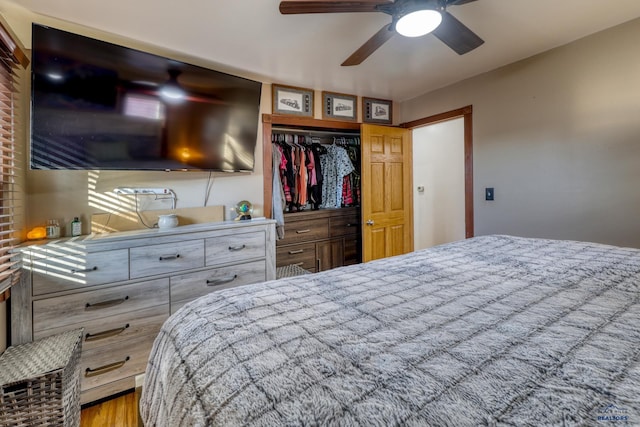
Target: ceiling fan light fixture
[
  {"x": 418, "y": 23},
  {"x": 171, "y": 90}
]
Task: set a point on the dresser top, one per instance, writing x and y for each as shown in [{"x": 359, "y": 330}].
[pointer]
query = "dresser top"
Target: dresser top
[{"x": 147, "y": 235}]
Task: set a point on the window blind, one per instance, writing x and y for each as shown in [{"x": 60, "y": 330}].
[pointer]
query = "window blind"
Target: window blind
[{"x": 11, "y": 57}]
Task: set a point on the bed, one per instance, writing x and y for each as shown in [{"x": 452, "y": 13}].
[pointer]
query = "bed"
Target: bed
[{"x": 494, "y": 330}]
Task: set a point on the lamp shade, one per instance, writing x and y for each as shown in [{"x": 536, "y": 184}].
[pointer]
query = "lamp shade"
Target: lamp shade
[{"x": 418, "y": 23}]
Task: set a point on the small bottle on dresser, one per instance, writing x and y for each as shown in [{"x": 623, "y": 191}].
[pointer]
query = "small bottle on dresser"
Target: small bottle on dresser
[
  {"x": 76, "y": 227},
  {"x": 53, "y": 229}
]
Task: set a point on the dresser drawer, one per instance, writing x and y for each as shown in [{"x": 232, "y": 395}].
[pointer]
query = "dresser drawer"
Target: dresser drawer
[
  {"x": 52, "y": 271},
  {"x": 99, "y": 303},
  {"x": 344, "y": 225},
  {"x": 302, "y": 255},
  {"x": 124, "y": 359},
  {"x": 301, "y": 231},
  {"x": 107, "y": 331},
  {"x": 187, "y": 287},
  {"x": 234, "y": 248},
  {"x": 166, "y": 258}
]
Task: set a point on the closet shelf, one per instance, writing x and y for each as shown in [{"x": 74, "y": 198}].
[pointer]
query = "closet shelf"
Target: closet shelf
[{"x": 317, "y": 133}]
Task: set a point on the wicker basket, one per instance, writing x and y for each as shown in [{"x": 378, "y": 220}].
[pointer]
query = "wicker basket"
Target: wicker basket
[
  {"x": 40, "y": 382},
  {"x": 290, "y": 271}
]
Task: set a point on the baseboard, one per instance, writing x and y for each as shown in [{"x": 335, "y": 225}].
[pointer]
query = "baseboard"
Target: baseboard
[{"x": 138, "y": 395}]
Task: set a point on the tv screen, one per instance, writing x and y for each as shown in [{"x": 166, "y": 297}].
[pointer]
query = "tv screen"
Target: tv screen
[{"x": 97, "y": 105}]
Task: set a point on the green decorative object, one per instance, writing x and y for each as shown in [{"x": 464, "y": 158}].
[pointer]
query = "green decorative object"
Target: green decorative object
[{"x": 244, "y": 209}]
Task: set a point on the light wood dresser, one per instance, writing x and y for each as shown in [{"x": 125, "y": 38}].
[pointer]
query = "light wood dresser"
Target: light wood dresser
[{"x": 121, "y": 287}]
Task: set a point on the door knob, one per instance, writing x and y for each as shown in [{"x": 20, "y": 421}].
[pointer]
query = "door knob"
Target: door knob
[{"x": 370, "y": 222}]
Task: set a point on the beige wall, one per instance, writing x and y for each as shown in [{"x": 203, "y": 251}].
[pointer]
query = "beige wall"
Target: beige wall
[{"x": 558, "y": 136}]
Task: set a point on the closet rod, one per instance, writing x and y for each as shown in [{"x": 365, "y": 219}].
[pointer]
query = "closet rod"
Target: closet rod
[{"x": 314, "y": 132}]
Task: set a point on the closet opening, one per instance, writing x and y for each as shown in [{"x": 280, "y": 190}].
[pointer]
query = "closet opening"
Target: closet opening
[{"x": 314, "y": 183}]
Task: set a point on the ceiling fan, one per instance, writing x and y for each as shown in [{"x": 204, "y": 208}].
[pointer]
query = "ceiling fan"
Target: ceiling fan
[{"x": 411, "y": 18}]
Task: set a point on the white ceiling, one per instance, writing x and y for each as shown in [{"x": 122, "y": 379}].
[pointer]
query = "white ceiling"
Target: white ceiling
[{"x": 251, "y": 38}]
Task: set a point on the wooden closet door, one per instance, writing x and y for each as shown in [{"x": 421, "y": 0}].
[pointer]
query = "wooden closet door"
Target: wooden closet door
[{"x": 387, "y": 203}]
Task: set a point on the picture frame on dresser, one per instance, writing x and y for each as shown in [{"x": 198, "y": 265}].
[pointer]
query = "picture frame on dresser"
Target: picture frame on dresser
[
  {"x": 378, "y": 111},
  {"x": 339, "y": 106},
  {"x": 291, "y": 100}
]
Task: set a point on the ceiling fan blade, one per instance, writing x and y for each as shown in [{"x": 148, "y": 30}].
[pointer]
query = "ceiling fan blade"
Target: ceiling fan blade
[
  {"x": 456, "y": 35},
  {"x": 329, "y": 6},
  {"x": 459, "y": 2},
  {"x": 369, "y": 46}
]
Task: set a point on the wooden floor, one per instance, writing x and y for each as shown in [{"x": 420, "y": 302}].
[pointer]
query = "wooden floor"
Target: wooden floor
[{"x": 121, "y": 411}]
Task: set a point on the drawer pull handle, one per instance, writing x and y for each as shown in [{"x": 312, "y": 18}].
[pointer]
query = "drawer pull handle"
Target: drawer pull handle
[
  {"x": 351, "y": 225},
  {"x": 298, "y": 264},
  {"x": 106, "y": 368},
  {"x": 168, "y": 257},
  {"x": 237, "y": 248},
  {"x": 299, "y": 251},
  {"x": 302, "y": 231},
  {"x": 215, "y": 282},
  {"x": 105, "y": 334},
  {"x": 86, "y": 270},
  {"x": 105, "y": 304}
]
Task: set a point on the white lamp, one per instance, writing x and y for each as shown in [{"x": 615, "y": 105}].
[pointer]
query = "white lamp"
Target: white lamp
[{"x": 418, "y": 22}]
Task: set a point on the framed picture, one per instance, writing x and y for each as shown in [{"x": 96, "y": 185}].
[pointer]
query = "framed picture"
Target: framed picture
[
  {"x": 339, "y": 106},
  {"x": 376, "y": 110},
  {"x": 295, "y": 101}
]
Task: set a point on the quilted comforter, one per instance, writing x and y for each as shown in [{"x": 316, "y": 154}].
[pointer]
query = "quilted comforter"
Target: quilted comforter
[{"x": 494, "y": 330}]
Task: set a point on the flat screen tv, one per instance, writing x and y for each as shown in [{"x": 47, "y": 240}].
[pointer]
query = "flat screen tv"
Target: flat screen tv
[{"x": 97, "y": 105}]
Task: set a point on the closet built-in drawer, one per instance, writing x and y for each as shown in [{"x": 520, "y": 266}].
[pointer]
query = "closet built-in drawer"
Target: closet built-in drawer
[
  {"x": 302, "y": 255},
  {"x": 187, "y": 287},
  {"x": 123, "y": 359},
  {"x": 69, "y": 268},
  {"x": 107, "y": 331},
  {"x": 86, "y": 306},
  {"x": 301, "y": 231},
  {"x": 235, "y": 247},
  {"x": 166, "y": 258},
  {"x": 352, "y": 251},
  {"x": 344, "y": 225}
]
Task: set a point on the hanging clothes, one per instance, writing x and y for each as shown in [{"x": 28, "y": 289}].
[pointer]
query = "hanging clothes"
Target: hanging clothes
[
  {"x": 315, "y": 184},
  {"x": 315, "y": 172},
  {"x": 353, "y": 186},
  {"x": 278, "y": 196},
  {"x": 288, "y": 180},
  {"x": 312, "y": 178},
  {"x": 301, "y": 178},
  {"x": 347, "y": 192},
  {"x": 292, "y": 173},
  {"x": 336, "y": 164}
]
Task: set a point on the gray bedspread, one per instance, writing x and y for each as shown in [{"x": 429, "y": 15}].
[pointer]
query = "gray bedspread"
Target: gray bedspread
[{"x": 493, "y": 330}]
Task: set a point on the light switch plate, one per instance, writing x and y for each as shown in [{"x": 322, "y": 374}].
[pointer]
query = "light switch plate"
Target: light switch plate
[{"x": 489, "y": 193}]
